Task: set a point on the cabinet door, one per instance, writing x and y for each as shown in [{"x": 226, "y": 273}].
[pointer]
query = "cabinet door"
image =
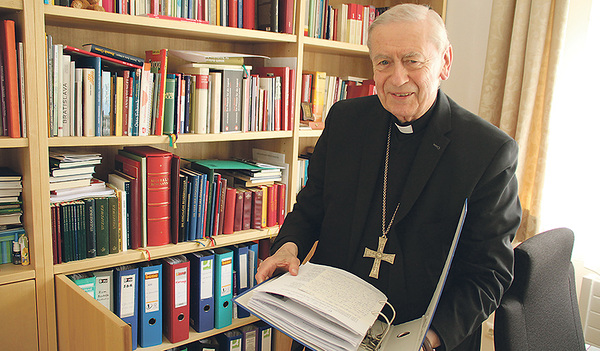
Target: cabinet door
[
  {"x": 84, "y": 323},
  {"x": 18, "y": 308}
]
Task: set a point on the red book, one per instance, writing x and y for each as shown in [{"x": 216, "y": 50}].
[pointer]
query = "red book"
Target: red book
[
  {"x": 249, "y": 17},
  {"x": 247, "y": 213},
  {"x": 232, "y": 14},
  {"x": 229, "y": 213},
  {"x": 176, "y": 291},
  {"x": 366, "y": 88},
  {"x": 239, "y": 210},
  {"x": 271, "y": 205},
  {"x": 286, "y": 16},
  {"x": 132, "y": 169},
  {"x": 8, "y": 48},
  {"x": 158, "y": 192},
  {"x": 284, "y": 74},
  {"x": 158, "y": 64},
  {"x": 257, "y": 204},
  {"x": 281, "y": 193},
  {"x": 56, "y": 242},
  {"x": 175, "y": 198}
]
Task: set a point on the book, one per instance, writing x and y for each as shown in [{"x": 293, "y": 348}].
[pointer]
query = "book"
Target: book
[
  {"x": 158, "y": 61},
  {"x": 328, "y": 308},
  {"x": 132, "y": 169},
  {"x": 111, "y": 53},
  {"x": 11, "y": 81},
  {"x": 226, "y": 58},
  {"x": 158, "y": 192}
]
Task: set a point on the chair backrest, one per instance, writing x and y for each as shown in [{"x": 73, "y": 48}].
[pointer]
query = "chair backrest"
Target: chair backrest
[{"x": 540, "y": 311}]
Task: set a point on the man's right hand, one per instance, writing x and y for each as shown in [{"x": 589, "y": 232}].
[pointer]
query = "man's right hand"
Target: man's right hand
[{"x": 284, "y": 260}]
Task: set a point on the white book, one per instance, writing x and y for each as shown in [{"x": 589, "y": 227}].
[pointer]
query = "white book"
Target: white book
[
  {"x": 145, "y": 100},
  {"x": 104, "y": 288},
  {"x": 65, "y": 95},
  {"x": 327, "y": 308},
  {"x": 72, "y": 90},
  {"x": 201, "y": 102},
  {"x": 215, "y": 102},
  {"x": 89, "y": 101},
  {"x": 106, "y": 103},
  {"x": 57, "y": 107}
]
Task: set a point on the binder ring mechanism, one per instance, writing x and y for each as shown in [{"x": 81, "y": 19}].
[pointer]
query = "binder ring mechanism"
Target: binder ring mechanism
[{"x": 372, "y": 341}]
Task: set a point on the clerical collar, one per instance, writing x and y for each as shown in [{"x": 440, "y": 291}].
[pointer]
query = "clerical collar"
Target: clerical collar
[{"x": 417, "y": 125}]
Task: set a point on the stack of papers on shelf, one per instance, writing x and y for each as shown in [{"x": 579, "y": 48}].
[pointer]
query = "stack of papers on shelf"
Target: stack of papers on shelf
[
  {"x": 10, "y": 201},
  {"x": 72, "y": 169}
]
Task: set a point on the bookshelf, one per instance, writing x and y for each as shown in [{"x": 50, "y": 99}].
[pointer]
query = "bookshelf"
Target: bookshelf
[{"x": 41, "y": 293}]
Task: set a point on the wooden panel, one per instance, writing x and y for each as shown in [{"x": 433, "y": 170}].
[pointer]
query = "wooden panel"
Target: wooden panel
[
  {"x": 84, "y": 324},
  {"x": 18, "y": 308}
]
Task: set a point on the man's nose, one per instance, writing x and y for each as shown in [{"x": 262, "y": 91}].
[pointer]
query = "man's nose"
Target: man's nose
[{"x": 399, "y": 74}]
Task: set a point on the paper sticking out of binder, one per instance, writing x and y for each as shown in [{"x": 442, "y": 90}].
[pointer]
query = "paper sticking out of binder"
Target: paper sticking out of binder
[{"x": 313, "y": 310}]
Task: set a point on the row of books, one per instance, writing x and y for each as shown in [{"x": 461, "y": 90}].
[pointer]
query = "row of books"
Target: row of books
[
  {"x": 154, "y": 198},
  {"x": 14, "y": 245},
  {"x": 170, "y": 295},
  {"x": 320, "y": 91},
  {"x": 103, "y": 92},
  {"x": 270, "y": 15},
  {"x": 12, "y": 82},
  {"x": 347, "y": 22}
]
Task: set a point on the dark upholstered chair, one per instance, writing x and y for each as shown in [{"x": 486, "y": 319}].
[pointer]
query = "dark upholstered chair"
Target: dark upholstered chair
[{"x": 540, "y": 311}]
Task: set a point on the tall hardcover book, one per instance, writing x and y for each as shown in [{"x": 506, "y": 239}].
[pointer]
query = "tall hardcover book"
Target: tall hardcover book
[
  {"x": 132, "y": 168},
  {"x": 158, "y": 192},
  {"x": 158, "y": 61},
  {"x": 8, "y": 45},
  {"x": 102, "y": 227}
]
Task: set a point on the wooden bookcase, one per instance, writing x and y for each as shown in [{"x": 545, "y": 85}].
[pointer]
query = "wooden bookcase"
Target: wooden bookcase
[{"x": 41, "y": 294}]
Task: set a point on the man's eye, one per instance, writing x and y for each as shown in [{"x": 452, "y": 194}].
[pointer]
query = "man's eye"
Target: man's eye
[{"x": 384, "y": 63}]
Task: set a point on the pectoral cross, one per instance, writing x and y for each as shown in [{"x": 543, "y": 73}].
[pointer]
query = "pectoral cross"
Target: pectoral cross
[{"x": 379, "y": 256}]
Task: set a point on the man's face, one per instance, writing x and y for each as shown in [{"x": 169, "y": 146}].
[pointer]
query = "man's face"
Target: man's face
[{"x": 407, "y": 68}]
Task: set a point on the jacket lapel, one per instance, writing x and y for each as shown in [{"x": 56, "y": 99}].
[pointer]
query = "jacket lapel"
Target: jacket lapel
[
  {"x": 371, "y": 159},
  {"x": 432, "y": 148}
]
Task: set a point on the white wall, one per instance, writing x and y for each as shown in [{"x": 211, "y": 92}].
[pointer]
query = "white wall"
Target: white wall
[{"x": 468, "y": 24}]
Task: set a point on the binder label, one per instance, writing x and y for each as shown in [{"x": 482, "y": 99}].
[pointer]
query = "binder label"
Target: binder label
[
  {"x": 226, "y": 276},
  {"x": 127, "y": 295},
  {"x": 181, "y": 281},
  {"x": 206, "y": 280},
  {"x": 151, "y": 291},
  {"x": 243, "y": 271}
]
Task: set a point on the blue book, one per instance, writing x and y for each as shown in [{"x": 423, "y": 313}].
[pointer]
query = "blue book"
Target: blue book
[
  {"x": 150, "y": 305},
  {"x": 194, "y": 179},
  {"x": 252, "y": 262},
  {"x": 223, "y": 287},
  {"x": 202, "y": 207},
  {"x": 202, "y": 302},
  {"x": 126, "y": 298}
]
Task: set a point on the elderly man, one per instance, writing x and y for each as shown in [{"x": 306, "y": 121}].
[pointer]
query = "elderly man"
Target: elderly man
[{"x": 398, "y": 167}]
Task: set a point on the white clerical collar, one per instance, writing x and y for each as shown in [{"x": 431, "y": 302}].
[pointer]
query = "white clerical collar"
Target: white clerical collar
[{"x": 408, "y": 129}]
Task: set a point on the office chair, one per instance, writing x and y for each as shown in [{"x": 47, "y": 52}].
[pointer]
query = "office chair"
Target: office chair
[{"x": 540, "y": 311}]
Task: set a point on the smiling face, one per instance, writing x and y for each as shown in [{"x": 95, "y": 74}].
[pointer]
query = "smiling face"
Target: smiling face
[{"x": 407, "y": 68}]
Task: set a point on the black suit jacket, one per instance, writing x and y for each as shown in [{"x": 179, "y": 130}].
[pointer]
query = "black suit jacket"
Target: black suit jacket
[{"x": 460, "y": 157}]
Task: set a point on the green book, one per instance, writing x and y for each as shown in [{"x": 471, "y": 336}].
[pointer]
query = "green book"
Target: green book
[
  {"x": 102, "y": 226},
  {"x": 68, "y": 241},
  {"x": 78, "y": 228},
  {"x": 169, "y": 116},
  {"x": 89, "y": 220},
  {"x": 113, "y": 224}
]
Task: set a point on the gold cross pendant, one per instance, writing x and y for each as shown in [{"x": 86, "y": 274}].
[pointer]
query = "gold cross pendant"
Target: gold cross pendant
[{"x": 379, "y": 255}]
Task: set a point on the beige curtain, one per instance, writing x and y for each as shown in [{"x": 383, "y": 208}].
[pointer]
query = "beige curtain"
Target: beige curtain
[{"x": 523, "y": 49}]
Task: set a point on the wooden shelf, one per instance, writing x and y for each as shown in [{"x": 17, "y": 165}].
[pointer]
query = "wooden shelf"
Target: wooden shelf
[
  {"x": 164, "y": 139},
  {"x": 195, "y": 336},
  {"x": 156, "y": 252},
  {"x": 10, "y": 273},
  {"x": 113, "y": 22},
  {"x": 6, "y": 142},
  {"x": 11, "y": 5},
  {"x": 310, "y": 133},
  {"x": 334, "y": 47}
]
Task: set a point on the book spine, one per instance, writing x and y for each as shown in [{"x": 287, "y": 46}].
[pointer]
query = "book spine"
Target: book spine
[
  {"x": 159, "y": 199},
  {"x": 271, "y": 206},
  {"x": 90, "y": 226},
  {"x": 102, "y": 227},
  {"x": 115, "y": 54},
  {"x": 169, "y": 118},
  {"x": 114, "y": 216},
  {"x": 9, "y": 50}
]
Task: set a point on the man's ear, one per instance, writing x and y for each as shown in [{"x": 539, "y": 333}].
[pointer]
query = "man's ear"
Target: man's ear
[{"x": 446, "y": 63}]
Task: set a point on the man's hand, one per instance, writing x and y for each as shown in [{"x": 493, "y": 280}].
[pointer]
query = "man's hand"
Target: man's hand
[
  {"x": 284, "y": 260},
  {"x": 432, "y": 341}
]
